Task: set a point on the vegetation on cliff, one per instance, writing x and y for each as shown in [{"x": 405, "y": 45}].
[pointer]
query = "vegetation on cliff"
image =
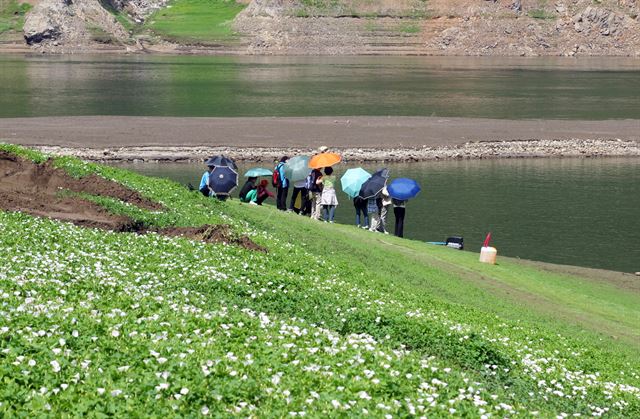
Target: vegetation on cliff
[
  {"x": 12, "y": 14},
  {"x": 416, "y": 27},
  {"x": 330, "y": 320},
  {"x": 195, "y": 21}
]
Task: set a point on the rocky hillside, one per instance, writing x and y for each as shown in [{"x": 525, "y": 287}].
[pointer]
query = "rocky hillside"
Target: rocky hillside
[
  {"x": 425, "y": 27},
  {"x": 79, "y": 25},
  {"x": 443, "y": 27}
]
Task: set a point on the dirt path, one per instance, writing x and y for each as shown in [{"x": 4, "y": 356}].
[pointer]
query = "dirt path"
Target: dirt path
[{"x": 380, "y": 132}]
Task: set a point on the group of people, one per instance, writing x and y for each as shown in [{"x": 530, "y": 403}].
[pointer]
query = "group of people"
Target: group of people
[
  {"x": 318, "y": 198},
  {"x": 372, "y": 213}
]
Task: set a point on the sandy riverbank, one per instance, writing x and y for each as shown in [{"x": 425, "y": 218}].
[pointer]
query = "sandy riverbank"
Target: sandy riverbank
[{"x": 112, "y": 138}]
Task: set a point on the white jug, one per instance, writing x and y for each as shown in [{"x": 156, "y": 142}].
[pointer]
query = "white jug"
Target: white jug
[{"x": 488, "y": 255}]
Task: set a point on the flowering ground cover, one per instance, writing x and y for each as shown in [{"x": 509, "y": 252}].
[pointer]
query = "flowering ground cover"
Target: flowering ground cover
[{"x": 331, "y": 321}]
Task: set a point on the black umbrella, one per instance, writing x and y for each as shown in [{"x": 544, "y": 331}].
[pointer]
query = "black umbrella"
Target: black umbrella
[
  {"x": 374, "y": 185},
  {"x": 223, "y": 180},
  {"x": 222, "y": 161}
]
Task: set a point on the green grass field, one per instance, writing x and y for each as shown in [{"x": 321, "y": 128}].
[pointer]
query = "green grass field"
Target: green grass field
[
  {"x": 195, "y": 21},
  {"x": 332, "y": 321},
  {"x": 12, "y": 15}
]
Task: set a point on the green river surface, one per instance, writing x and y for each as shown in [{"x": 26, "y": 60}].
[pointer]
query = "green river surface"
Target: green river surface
[
  {"x": 511, "y": 88},
  {"x": 583, "y": 212},
  {"x": 571, "y": 211}
]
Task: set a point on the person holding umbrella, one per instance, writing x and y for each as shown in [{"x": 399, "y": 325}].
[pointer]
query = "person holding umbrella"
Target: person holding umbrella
[
  {"x": 399, "y": 211},
  {"x": 299, "y": 189},
  {"x": 401, "y": 190},
  {"x": 281, "y": 183},
  {"x": 296, "y": 170},
  {"x": 317, "y": 162},
  {"x": 329, "y": 199},
  {"x": 352, "y": 181},
  {"x": 222, "y": 181},
  {"x": 204, "y": 182},
  {"x": 248, "y": 186},
  {"x": 370, "y": 191}
]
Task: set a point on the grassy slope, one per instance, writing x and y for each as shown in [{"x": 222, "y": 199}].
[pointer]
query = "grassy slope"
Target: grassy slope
[
  {"x": 12, "y": 15},
  {"x": 576, "y": 305},
  {"x": 362, "y": 297},
  {"x": 195, "y": 21}
]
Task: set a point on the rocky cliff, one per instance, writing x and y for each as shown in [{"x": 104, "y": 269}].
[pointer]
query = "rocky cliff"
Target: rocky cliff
[
  {"x": 81, "y": 25},
  {"x": 420, "y": 27},
  {"x": 443, "y": 27}
]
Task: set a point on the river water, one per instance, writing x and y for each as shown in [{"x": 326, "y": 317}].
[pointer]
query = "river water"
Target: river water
[
  {"x": 511, "y": 88},
  {"x": 571, "y": 211},
  {"x": 580, "y": 212}
]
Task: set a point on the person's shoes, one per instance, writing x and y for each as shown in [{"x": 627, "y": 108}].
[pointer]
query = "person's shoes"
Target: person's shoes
[
  {"x": 386, "y": 232},
  {"x": 252, "y": 203},
  {"x": 330, "y": 222},
  {"x": 357, "y": 225}
]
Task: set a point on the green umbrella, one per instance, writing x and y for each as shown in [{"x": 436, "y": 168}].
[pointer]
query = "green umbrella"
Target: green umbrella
[
  {"x": 297, "y": 168},
  {"x": 258, "y": 171},
  {"x": 353, "y": 179}
]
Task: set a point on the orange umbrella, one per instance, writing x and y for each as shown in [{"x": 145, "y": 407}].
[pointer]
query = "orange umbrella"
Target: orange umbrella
[{"x": 324, "y": 160}]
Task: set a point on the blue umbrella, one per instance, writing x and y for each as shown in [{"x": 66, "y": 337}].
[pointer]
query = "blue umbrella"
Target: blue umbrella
[
  {"x": 403, "y": 188},
  {"x": 374, "y": 185},
  {"x": 257, "y": 172},
  {"x": 297, "y": 168},
  {"x": 352, "y": 181},
  {"x": 223, "y": 180},
  {"x": 222, "y": 160}
]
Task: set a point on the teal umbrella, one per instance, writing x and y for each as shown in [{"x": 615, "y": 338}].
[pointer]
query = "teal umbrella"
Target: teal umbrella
[
  {"x": 353, "y": 179},
  {"x": 258, "y": 171},
  {"x": 297, "y": 168}
]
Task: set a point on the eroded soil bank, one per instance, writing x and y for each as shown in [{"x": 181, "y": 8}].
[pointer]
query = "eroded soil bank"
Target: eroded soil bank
[
  {"x": 43, "y": 190},
  {"x": 46, "y": 191}
]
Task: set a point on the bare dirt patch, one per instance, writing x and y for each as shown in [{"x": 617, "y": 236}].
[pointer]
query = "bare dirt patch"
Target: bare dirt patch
[
  {"x": 212, "y": 234},
  {"x": 36, "y": 189}
]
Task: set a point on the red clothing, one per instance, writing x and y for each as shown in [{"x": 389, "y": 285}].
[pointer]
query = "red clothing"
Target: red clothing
[{"x": 262, "y": 191}]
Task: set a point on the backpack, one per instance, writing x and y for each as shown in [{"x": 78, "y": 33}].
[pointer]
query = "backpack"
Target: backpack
[
  {"x": 276, "y": 182},
  {"x": 310, "y": 182}
]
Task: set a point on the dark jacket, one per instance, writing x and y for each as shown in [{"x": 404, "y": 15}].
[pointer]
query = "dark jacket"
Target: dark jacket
[
  {"x": 315, "y": 174},
  {"x": 246, "y": 188}
]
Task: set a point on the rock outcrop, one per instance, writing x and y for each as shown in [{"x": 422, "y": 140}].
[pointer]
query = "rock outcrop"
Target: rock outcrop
[
  {"x": 330, "y": 27},
  {"x": 70, "y": 25},
  {"x": 443, "y": 27},
  {"x": 138, "y": 9}
]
